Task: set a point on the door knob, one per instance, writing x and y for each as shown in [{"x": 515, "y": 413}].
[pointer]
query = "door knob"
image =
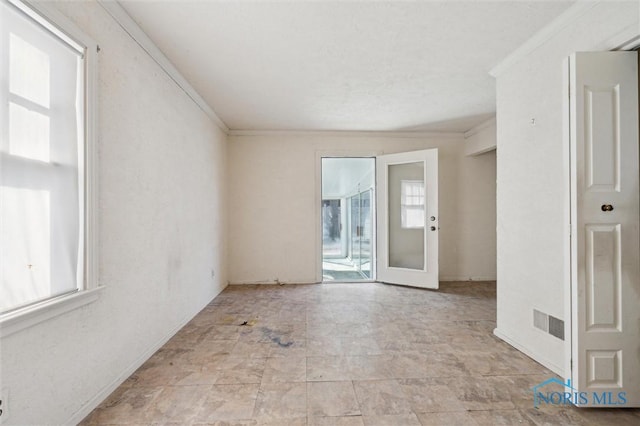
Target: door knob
[{"x": 606, "y": 207}]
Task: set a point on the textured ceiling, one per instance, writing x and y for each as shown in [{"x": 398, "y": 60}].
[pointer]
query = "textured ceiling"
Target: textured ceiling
[{"x": 343, "y": 65}]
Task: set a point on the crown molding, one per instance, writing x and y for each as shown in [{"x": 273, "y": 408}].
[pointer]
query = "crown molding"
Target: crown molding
[
  {"x": 346, "y": 133},
  {"x": 627, "y": 39},
  {"x": 117, "y": 12},
  {"x": 542, "y": 36},
  {"x": 480, "y": 127}
]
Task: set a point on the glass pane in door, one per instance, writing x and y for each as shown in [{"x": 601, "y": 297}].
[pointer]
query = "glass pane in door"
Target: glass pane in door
[
  {"x": 355, "y": 230},
  {"x": 366, "y": 236},
  {"x": 406, "y": 197},
  {"x": 331, "y": 229}
]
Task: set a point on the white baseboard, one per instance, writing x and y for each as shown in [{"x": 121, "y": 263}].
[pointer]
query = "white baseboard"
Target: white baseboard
[
  {"x": 530, "y": 353},
  {"x": 94, "y": 402},
  {"x": 466, "y": 278},
  {"x": 273, "y": 282},
  {"x": 442, "y": 279}
]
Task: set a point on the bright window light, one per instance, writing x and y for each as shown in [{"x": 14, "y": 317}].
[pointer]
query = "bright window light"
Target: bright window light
[
  {"x": 412, "y": 203},
  {"x": 28, "y": 133},
  {"x": 29, "y": 71},
  {"x": 26, "y": 250}
]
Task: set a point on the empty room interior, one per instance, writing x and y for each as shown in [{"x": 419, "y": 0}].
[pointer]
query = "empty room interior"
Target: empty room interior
[{"x": 319, "y": 212}]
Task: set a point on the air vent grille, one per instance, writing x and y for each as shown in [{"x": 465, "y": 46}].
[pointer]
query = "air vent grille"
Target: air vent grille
[
  {"x": 548, "y": 324},
  {"x": 541, "y": 320}
]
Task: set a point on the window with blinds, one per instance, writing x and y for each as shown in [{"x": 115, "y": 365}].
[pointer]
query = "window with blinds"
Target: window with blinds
[{"x": 43, "y": 115}]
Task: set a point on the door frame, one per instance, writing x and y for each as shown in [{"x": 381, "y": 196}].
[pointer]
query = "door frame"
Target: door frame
[{"x": 336, "y": 153}]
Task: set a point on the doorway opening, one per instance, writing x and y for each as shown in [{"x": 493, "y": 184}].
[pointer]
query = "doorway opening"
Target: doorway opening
[{"x": 348, "y": 186}]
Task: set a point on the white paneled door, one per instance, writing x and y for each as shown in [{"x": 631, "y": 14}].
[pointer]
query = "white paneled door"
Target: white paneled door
[
  {"x": 605, "y": 284},
  {"x": 407, "y": 218}
]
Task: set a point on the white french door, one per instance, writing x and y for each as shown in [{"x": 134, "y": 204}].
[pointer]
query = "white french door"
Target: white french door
[
  {"x": 407, "y": 218},
  {"x": 605, "y": 242}
]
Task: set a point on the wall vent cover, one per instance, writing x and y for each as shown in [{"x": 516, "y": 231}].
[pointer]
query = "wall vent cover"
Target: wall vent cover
[
  {"x": 541, "y": 320},
  {"x": 556, "y": 327},
  {"x": 549, "y": 324}
]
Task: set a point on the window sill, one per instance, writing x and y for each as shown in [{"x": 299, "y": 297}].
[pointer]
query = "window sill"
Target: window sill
[{"x": 15, "y": 321}]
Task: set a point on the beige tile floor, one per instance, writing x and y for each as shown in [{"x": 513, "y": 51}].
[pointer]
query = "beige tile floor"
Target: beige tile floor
[{"x": 342, "y": 354}]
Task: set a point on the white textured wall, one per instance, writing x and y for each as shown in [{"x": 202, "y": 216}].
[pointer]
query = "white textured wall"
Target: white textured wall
[
  {"x": 162, "y": 184},
  {"x": 532, "y": 181},
  {"x": 273, "y": 199}
]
